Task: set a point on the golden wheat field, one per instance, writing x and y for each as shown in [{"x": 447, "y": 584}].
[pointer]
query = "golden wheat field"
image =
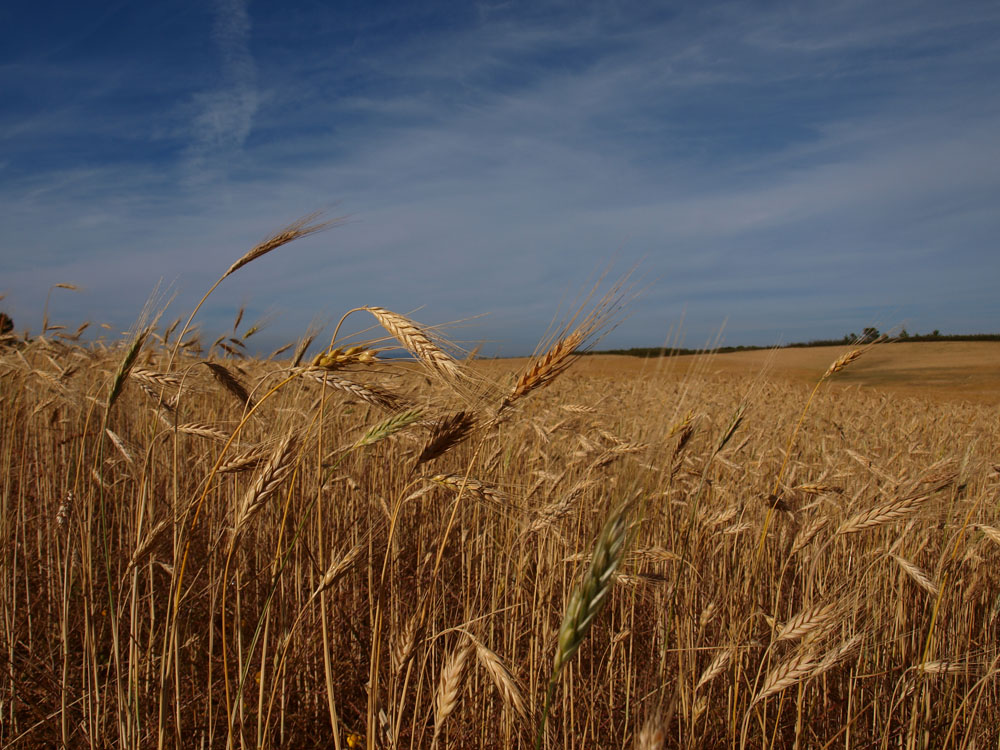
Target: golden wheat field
[{"x": 203, "y": 549}]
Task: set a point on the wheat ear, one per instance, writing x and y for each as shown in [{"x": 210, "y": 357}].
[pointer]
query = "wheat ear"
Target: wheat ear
[
  {"x": 841, "y": 362},
  {"x": 446, "y": 433},
  {"x": 880, "y": 515},
  {"x": 368, "y": 393},
  {"x": 479, "y": 490},
  {"x": 502, "y": 678},
  {"x": 411, "y": 336},
  {"x": 793, "y": 671},
  {"x": 714, "y": 669},
  {"x": 266, "y": 483},
  {"x": 653, "y": 734},
  {"x": 449, "y": 689},
  {"x": 131, "y": 354},
  {"x": 231, "y": 384},
  {"x": 299, "y": 228},
  {"x": 917, "y": 575},
  {"x": 807, "y": 621}
]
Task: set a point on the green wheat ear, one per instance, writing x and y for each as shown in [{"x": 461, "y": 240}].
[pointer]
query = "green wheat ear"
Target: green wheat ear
[
  {"x": 588, "y": 600},
  {"x": 389, "y": 426}
]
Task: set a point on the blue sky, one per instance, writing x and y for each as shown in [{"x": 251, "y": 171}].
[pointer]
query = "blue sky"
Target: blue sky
[{"x": 797, "y": 170}]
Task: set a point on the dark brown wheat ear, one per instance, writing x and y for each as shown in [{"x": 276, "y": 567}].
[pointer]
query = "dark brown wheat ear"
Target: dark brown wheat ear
[{"x": 446, "y": 433}]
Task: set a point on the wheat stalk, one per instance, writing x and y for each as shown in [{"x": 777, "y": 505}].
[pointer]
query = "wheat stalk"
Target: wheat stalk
[
  {"x": 203, "y": 430},
  {"x": 990, "y": 532},
  {"x": 841, "y": 362},
  {"x": 545, "y": 369},
  {"x": 479, "y": 490},
  {"x": 807, "y": 534},
  {"x": 131, "y": 354},
  {"x": 389, "y": 426},
  {"x": 653, "y": 734},
  {"x": 158, "y": 379},
  {"x": 339, "y": 567},
  {"x": 368, "y": 393},
  {"x": 890, "y": 512},
  {"x": 248, "y": 460},
  {"x": 403, "y": 645},
  {"x": 714, "y": 669},
  {"x": 231, "y": 384}
]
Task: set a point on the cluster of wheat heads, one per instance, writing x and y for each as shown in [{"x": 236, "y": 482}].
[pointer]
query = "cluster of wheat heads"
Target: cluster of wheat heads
[{"x": 210, "y": 549}]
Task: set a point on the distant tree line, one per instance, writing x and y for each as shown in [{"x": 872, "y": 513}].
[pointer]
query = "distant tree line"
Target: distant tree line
[{"x": 868, "y": 335}]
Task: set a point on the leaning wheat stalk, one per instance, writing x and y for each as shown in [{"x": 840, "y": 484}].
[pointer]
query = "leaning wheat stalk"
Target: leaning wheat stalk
[
  {"x": 203, "y": 430},
  {"x": 545, "y": 369},
  {"x": 714, "y": 669},
  {"x": 841, "y": 362},
  {"x": 131, "y": 354},
  {"x": 368, "y": 393},
  {"x": 302, "y": 227},
  {"x": 479, "y": 490},
  {"x": 653, "y": 734}
]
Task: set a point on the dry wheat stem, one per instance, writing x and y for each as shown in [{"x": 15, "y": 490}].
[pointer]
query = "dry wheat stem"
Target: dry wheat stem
[
  {"x": 446, "y": 433},
  {"x": 880, "y": 515},
  {"x": 653, "y": 734},
  {"x": 504, "y": 681},
  {"x": 371, "y": 394}
]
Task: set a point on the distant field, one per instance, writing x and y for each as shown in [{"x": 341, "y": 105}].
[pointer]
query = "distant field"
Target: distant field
[{"x": 945, "y": 371}]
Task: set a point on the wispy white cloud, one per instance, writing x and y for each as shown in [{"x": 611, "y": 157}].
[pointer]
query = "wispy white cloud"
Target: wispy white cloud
[{"x": 226, "y": 112}]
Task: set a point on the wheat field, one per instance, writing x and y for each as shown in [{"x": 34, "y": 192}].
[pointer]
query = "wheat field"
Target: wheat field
[{"x": 346, "y": 549}]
